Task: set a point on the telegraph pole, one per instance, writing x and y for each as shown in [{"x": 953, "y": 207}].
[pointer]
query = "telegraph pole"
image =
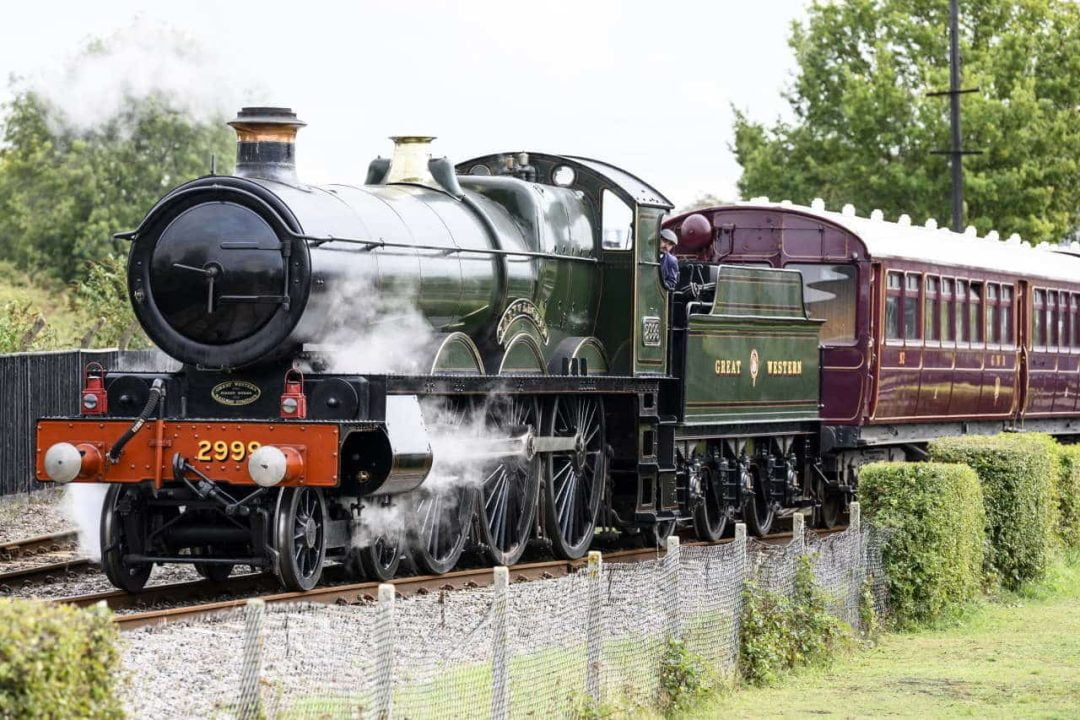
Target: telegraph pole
[{"x": 956, "y": 153}]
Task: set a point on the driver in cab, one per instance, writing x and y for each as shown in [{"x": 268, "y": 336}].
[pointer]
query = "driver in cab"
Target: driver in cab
[{"x": 669, "y": 264}]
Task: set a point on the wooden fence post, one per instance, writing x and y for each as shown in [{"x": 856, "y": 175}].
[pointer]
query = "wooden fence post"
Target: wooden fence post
[
  {"x": 250, "y": 705},
  {"x": 593, "y": 627},
  {"x": 500, "y": 661}
]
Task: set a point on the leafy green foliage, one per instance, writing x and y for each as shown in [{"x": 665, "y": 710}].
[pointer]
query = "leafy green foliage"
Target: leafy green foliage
[
  {"x": 868, "y": 616},
  {"x": 682, "y": 677},
  {"x": 64, "y": 192},
  {"x": 934, "y": 557},
  {"x": 16, "y": 321},
  {"x": 779, "y": 633},
  {"x": 57, "y": 662},
  {"x": 864, "y": 128},
  {"x": 103, "y": 295},
  {"x": 1068, "y": 496},
  {"x": 1017, "y": 472}
]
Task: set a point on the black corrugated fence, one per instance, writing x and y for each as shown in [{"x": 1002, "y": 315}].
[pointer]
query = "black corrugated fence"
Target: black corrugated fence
[{"x": 43, "y": 384}]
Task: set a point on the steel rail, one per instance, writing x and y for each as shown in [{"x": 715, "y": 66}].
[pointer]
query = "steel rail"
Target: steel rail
[
  {"x": 350, "y": 593},
  {"x": 42, "y": 572},
  {"x": 39, "y": 543}
]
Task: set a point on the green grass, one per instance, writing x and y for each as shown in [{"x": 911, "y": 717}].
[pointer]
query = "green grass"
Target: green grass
[{"x": 1017, "y": 656}]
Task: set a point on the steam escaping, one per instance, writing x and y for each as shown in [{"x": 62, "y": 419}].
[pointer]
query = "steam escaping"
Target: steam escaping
[
  {"x": 371, "y": 329},
  {"x": 459, "y": 434},
  {"x": 82, "y": 504},
  {"x": 146, "y": 59}
]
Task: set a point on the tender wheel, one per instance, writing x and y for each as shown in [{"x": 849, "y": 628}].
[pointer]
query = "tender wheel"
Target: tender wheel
[
  {"x": 509, "y": 490},
  {"x": 658, "y": 533},
  {"x": 300, "y": 537},
  {"x": 574, "y": 480},
  {"x": 758, "y": 510},
  {"x": 124, "y": 528},
  {"x": 828, "y": 515},
  {"x": 710, "y": 515},
  {"x": 441, "y": 527}
]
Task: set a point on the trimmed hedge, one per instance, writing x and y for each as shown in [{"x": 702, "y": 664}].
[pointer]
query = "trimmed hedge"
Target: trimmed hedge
[
  {"x": 1068, "y": 496},
  {"x": 57, "y": 662},
  {"x": 1019, "y": 473},
  {"x": 934, "y": 555}
]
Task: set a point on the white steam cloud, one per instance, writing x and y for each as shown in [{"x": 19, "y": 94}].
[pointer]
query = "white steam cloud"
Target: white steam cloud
[
  {"x": 145, "y": 59},
  {"x": 82, "y": 504},
  {"x": 374, "y": 330},
  {"x": 459, "y": 436}
]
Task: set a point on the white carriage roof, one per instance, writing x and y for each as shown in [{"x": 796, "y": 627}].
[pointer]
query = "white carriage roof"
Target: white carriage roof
[{"x": 928, "y": 243}]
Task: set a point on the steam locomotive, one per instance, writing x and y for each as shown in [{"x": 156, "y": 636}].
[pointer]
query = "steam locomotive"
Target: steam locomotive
[{"x": 577, "y": 393}]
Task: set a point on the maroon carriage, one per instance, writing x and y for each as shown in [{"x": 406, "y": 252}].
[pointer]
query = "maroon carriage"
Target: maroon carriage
[{"x": 927, "y": 332}]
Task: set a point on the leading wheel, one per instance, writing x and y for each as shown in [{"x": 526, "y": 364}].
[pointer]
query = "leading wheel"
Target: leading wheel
[
  {"x": 214, "y": 572},
  {"x": 377, "y": 540},
  {"x": 124, "y": 529},
  {"x": 509, "y": 489},
  {"x": 300, "y": 537},
  {"x": 710, "y": 515},
  {"x": 574, "y": 479},
  {"x": 758, "y": 509}
]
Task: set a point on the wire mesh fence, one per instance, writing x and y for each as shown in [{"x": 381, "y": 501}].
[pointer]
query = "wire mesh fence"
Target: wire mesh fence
[{"x": 562, "y": 647}]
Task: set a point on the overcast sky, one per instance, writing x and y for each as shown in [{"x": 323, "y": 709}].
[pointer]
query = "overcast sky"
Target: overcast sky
[{"x": 644, "y": 85}]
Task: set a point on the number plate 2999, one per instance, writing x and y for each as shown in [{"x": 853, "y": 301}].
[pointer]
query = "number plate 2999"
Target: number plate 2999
[{"x": 220, "y": 450}]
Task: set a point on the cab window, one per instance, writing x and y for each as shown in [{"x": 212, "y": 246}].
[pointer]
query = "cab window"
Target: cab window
[
  {"x": 829, "y": 293},
  {"x": 617, "y": 222}
]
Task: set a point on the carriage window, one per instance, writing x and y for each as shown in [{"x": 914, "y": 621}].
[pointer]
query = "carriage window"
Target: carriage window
[
  {"x": 947, "y": 312},
  {"x": 1064, "y": 321},
  {"x": 1007, "y": 315},
  {"x": 993, "y": 328},
  {"x": 1076, "y": 320},
  {"x": 961, "y": 319},
  {"x": 829, "y": 293},
  {"x": 933, "y": 309},
  {"x": 1052, "y": 318},
  {"x": 617, "y": 222},
  {"x": 911, "y": 307},
  {"x": 1038, "y": 314},
  {"x": 975, "y": 312},
  {"x": 892, "y": 306}
]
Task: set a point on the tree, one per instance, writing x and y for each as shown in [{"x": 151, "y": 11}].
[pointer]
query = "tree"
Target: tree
[
  {"x": 702, "y": 201},
  {"x": 863, "y": 127},
  {"x": 63, "y": 192}
]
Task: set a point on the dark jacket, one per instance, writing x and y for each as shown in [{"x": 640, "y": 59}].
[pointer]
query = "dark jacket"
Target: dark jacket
[{"x": 669, "y": 270}]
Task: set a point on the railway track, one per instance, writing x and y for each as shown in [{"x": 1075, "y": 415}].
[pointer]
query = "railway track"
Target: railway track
[
  {"x": 26, "y": 547},
  {"x": 42, "y": 573},
  {"x": 249, "y": 586}
]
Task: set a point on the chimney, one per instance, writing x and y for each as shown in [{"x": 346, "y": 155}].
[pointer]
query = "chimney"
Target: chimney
[{"x": 266, "y": 143}]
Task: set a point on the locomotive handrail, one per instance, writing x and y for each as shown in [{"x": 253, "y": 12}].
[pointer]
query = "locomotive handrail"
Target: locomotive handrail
[
  {"x": 316, "y": 241},
  {"x": 373, "y": 244}
]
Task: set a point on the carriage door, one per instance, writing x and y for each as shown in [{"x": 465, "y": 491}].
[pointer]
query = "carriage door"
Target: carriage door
[{"x": 650, "y": 296}]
